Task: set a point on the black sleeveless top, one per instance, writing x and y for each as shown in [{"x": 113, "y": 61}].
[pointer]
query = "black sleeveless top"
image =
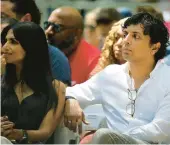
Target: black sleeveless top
[{"x": 29, "y": 114}]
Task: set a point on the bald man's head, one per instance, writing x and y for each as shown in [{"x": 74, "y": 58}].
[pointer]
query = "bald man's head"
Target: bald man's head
[
  {"x": 64, "y": 28},
  {"x": 69, "y": 16}
]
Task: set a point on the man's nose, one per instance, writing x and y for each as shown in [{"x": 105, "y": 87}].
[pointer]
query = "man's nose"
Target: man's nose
[
  {"x": 49, "y": 30},
  {"x": 127, "y": 40}
]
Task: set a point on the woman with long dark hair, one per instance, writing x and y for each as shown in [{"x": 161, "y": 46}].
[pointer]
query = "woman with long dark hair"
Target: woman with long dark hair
[{"x": 32, "y": 101}]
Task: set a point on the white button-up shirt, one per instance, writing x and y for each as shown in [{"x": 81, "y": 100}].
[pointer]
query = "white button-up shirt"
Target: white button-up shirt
[{"x": 151, "y": 120}]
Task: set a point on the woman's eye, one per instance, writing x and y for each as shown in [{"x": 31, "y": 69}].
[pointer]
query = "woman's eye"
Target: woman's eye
[
  {"x": 124, "y": 35},
  {"x": 117, "y": 37},
  {"x": 13, "y": 41}
]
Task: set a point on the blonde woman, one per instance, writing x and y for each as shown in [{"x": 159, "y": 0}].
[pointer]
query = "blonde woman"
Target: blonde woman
[{"x": 111, "y": 51}]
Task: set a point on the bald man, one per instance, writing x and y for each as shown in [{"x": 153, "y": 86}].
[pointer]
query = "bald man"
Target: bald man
[{"x": 64, "y": 30}]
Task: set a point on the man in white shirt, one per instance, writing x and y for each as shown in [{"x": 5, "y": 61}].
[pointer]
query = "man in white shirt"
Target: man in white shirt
[{"x": 136, "y": 95}]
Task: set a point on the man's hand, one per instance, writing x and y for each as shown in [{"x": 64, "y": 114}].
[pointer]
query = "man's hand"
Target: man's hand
[
  {"x": 6, "y": 126},
  {"x": 73, "y": 115}
]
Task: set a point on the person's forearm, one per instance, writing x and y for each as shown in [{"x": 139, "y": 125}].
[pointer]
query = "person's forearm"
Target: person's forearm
[
  {"x": 38, "y": 135},
  {"x": 33, "y": 135},
  {"x": 83, "y": 96}
]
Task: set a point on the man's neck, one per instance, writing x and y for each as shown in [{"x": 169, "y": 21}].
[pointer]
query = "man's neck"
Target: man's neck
[{"x": 141, "y": 70}]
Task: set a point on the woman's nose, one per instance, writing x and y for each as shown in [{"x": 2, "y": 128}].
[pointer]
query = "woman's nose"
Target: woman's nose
[
  {"x": 6, "y": 49},
  {"x": 119, "y": 42}
]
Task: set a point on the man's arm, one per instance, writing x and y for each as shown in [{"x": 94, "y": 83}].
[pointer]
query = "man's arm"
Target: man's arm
[
  {"x": 158, "y": 131},
  {"x": 87, "y": 93}
]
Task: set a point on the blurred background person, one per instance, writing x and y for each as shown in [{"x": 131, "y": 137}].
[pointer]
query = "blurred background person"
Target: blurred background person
[
  {"x": 6, "y": 21},
  {"x": 98, "y": 23},
  {"x": 151, "y": 10},
  {"x": 90, "y": 27},
  {"x": 64, "y": 29},
  {"x": 104, "y": 21}
]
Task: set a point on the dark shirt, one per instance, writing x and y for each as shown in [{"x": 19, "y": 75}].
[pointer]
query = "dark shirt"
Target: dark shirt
[
  {"x": 29, "y": 114},
  {"x": 60, "y": 65}
]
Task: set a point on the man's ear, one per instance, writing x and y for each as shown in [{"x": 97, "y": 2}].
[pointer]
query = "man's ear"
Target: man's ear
[
  {"x": 26, "y": 18},
  {"x": 155, "y": 48}
]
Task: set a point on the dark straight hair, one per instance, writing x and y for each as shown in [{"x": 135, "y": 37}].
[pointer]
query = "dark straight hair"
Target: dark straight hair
[{"x": 36, "y": 70}]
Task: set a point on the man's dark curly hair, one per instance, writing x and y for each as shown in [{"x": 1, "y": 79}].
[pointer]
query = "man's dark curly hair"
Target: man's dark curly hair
[
  {"x": 153, "y": 27},
  {"x": 22, "y": 7}
]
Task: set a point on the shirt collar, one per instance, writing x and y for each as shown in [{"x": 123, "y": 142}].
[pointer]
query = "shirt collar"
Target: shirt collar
[{"x": 158, "y": 64}]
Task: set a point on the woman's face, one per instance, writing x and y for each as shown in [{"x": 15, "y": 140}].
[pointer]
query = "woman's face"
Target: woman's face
[
  {"x": 12, "y": 50},
  {"x": 117, "y": 46}
]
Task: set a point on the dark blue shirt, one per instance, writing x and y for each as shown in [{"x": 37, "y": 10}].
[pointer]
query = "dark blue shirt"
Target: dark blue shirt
[{"x": 60, "y": 65}]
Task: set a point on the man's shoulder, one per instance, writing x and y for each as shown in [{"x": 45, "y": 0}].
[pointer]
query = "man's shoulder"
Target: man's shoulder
[
  {"x": 161, "y": 76},
  {"x": 165, "y": 70},
  {"x": 59, "y": 64},
  {"x": 162, "y": 67},
  {"x": 167, "y": 59},
  {"x": 161, "y": 73},
  {"x": 54, "y": 51},
  {"x": 115, "y": 69}
]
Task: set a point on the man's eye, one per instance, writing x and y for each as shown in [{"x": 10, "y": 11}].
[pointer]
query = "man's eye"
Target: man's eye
[{"x": 136, "y": 36}]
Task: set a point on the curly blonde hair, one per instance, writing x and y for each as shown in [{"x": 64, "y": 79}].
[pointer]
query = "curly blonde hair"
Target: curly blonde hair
[{"x": 107, "y": 56}]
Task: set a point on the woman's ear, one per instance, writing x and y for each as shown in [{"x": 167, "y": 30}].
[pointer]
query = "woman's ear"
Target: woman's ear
[{"x": 26, "y": 18}]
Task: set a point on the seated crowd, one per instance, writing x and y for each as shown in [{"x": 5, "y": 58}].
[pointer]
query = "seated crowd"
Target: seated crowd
[{"x": 49, "y": 76}]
